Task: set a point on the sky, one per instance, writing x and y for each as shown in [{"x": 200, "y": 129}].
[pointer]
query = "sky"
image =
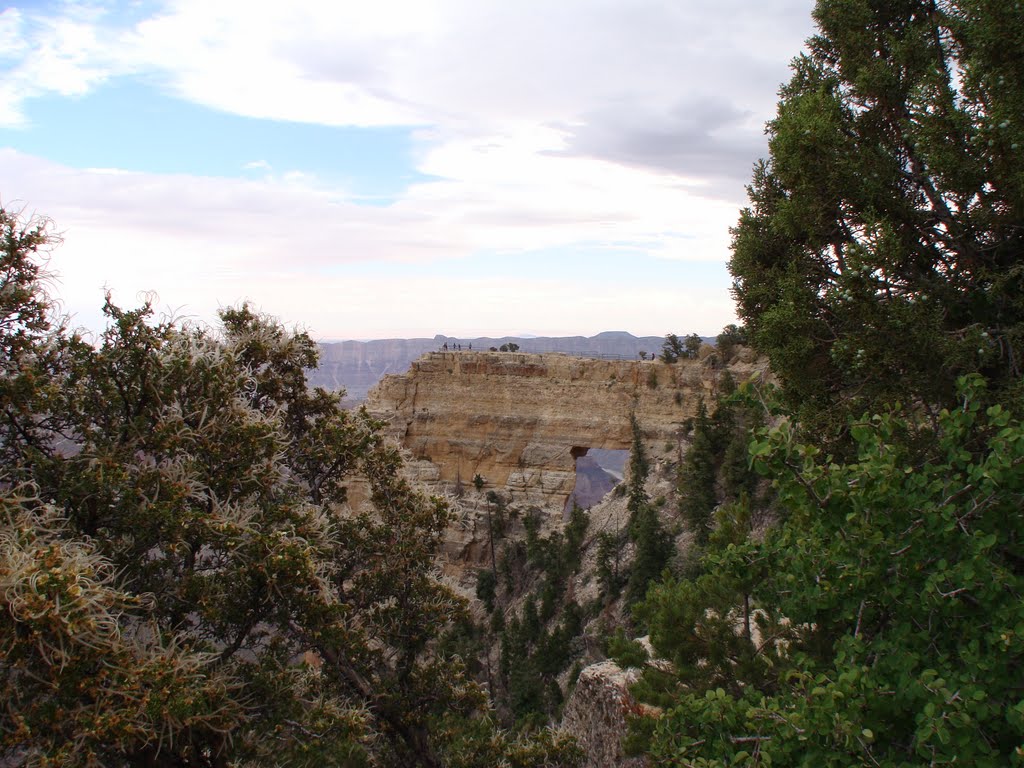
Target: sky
[{"x": 394, "y": 168}]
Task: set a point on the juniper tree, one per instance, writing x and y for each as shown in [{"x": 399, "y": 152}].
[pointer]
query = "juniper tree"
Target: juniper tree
[
  {"x": 880, "y": 256},
  {"x": 878, "y": 267},
  {"x": 185, "y": 578}
]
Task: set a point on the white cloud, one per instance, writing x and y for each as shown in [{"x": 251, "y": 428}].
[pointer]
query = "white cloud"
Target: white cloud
[
  {"x": 210, "y": 241},
  {"x": 68, "y": 55},
  {"x": 516, "y": 191},
  {"x": 12, "y": 43},
  {"x": 681, "y": 87},
  {"x": 460, "y": 66},
  {"x": 543, "y": 126}
]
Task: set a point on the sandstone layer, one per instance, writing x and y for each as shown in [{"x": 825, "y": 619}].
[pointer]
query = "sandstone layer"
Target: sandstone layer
[
  {"x": 356, "y": 366},
  {"x": 520, "y": 421}
]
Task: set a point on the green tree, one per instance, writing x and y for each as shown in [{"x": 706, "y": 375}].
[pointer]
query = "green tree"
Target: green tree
[
  {"x": 709, "y": 628},
  {"x": 176, "y": 538},
  {"x": 487, "y": 588},
  {"x": 609, "y": 552},
  {"x": 35, "y": 349},
  {"x": 876, "y": 554},
  {"x": 697, "y": 496},
  {"x": 731, "y": 337},
  {"x": 653, "y": 545},
  {"x": 639, "y": 468},
  {"x": 691, "y": 346},
  {"x": 538, "y": 645},
  {"x": 877, "y": 263},
  {"x": 880, "y": 256},
  {"x": 672, "y": 349}
]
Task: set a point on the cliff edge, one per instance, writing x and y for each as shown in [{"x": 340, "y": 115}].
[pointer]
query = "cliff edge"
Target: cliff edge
[{"x": 520, "y": 421}]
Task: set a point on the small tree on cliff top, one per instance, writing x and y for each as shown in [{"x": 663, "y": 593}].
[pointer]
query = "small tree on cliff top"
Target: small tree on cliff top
[{"x": 672, "y": 349}]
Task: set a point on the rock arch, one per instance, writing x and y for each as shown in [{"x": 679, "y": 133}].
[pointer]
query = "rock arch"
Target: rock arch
[{"x": 520, "y": 420}]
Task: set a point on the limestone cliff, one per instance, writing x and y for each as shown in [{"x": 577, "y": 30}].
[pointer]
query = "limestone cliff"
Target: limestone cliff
[
  {"x": 356, "y": 366},
  {"x": 520, "y": 421}
]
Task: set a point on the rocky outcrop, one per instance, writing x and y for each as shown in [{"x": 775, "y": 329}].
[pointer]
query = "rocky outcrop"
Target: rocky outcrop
[
  {"x": 356, "y": 366},
  {"x": 597, "y": 713},
  {"x": 520, "y": 421}
]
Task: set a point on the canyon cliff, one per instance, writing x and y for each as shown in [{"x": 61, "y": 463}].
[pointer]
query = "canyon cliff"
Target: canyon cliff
[
  {"x": 521, "y": 420},
  {"x": 524, "y": 424},
  {"x": 356, "y": 366}
]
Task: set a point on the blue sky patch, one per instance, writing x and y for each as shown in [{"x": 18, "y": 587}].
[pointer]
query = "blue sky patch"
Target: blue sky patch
[{"x": 130, "y": 126}]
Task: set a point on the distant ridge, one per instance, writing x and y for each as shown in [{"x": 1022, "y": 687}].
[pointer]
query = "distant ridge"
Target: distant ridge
[{"x": 356, "y": 366}]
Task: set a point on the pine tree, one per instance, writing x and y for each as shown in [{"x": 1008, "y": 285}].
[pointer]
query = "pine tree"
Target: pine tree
[
  {"x": 880, "y": 256},
  {"x": 653, "y": 545},
  {"x": 697, "y": 498}
]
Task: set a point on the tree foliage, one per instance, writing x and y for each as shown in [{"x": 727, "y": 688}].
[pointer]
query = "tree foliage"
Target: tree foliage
[
  {"x": 697, "y": 496},
  {"x": 674, "y": 349},
  {"x": 880, "y": 256},
  {"x": 880, "y": 623},
  {"x": 715, "y": 468},
  {"x": 900, "y": 579},
  {"x": 186, "y": 580},
  {"x": 731, "y": 337},
  {"x": 539, "y": 641},
  {"x": 652, "y": 545}
]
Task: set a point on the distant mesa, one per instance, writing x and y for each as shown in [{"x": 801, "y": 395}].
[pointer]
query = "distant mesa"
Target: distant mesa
[{"x": 593, "y": 482}]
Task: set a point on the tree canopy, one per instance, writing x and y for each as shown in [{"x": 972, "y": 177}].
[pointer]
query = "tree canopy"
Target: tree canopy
[
  {"x": 879, "y": 622},
  {"x": 674, "y": 349},
  {"x": 880, "y": 256},
  {"x": 888, "y": 607},
  {"x": 204, "y": 563}
]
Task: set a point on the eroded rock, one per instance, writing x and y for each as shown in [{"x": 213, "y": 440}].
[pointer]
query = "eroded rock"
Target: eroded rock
[
  {"x": 597, "y": 711},
  {"x": 520, "y": 421}
]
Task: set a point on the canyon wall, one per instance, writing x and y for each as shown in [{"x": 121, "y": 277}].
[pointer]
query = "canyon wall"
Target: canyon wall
[
  {"x": 520, "y": 421},
  {"x": 356, "y": 366}
]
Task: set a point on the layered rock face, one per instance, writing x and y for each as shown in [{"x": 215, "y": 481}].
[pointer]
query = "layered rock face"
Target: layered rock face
[
  {"x": 520, "y": 421},
  {"x": 356, "y": 366}
]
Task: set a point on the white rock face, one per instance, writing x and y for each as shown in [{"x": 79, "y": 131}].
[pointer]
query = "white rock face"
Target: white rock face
[{"x": 596, "y": 713}]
